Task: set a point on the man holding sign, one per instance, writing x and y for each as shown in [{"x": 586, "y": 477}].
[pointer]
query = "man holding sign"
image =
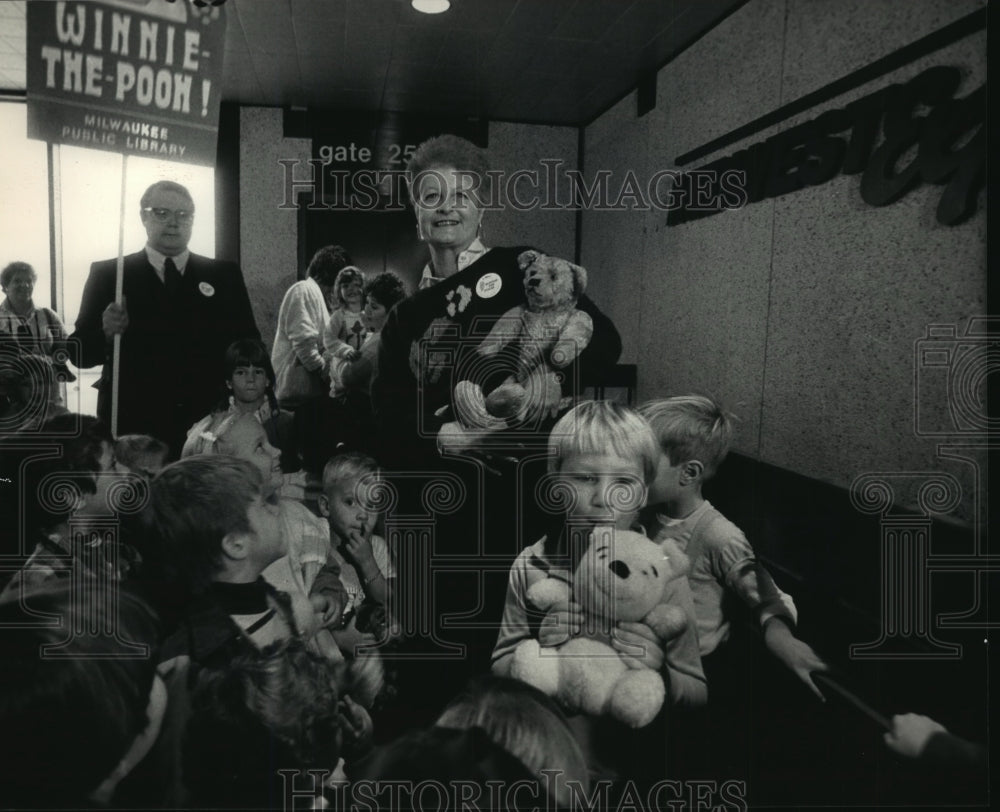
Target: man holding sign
[{"x": 179, "y": 312}]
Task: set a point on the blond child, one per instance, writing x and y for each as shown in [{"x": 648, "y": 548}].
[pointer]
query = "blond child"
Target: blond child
[
  {"x": 694, "y": 435},
  {"x": 363, "y": 556},
  {"x": 603, "y": 455},
  {"x": 366, "y": 569}
]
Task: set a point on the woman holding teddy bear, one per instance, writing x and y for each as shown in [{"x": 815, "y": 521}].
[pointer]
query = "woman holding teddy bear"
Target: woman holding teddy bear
[
  {"x": 464, "y": 329},
  {"x": 431, "y": 341}
]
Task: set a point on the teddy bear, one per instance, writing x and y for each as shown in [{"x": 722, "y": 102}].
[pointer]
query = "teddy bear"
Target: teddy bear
[
  {"x": 621, "y": 576},
  {"x": 538, "y": 339}
]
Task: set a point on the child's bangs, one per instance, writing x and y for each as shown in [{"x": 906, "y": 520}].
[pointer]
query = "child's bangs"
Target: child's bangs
[
  {"x": 606, "y": 430},
  {"x": 249, "y": 359}
]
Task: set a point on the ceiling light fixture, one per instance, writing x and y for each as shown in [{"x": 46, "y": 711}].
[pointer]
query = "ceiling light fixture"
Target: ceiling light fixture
[{"x": 431, "y": 6}]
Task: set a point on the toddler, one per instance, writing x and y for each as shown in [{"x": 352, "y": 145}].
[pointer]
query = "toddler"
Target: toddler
[
  {"x": 345, "y": 330},
  {"x": 694, "y": 435},
  {"x": 366, "y": 568}
]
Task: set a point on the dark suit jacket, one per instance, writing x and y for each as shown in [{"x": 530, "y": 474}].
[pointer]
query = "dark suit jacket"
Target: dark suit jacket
[{"x": 171, "y": 356}]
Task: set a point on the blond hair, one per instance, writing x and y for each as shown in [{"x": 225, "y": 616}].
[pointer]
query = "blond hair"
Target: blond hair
[
  {"x": 691, "y": 427},
  {"x": 604, "y": 427}
]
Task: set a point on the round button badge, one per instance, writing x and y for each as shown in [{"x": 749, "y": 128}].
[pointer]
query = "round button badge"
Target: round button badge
[{"x": 489, "y": 285}]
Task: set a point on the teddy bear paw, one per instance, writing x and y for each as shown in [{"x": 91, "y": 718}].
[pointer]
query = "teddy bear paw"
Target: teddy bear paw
[
  {"x": 470, "y": 407},
  {"x": 637, "y": 697},
  {"x": 506, "y": 400},
  {"x": 530, "y": 665}
]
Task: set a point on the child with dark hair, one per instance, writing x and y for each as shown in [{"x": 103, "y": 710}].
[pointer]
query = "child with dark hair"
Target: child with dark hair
[
  {"x": 307, "y": 569},
  {"x": 381, "y": 295},
  {"x": 351, "y": 377},
  {"x": 446, "y": 768},
  {"x": 263, "y": 712},
  {"x": 142, "y": 454},
  {"x": 80, "y": 702},
  {"x": 218, "y": 530},
  {"x": 250, "y": 381},
  {"x": 56, "y": 495},
  {"x": 528, "y": 725}
]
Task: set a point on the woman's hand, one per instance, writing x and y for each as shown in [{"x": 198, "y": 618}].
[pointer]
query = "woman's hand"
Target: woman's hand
[
  {"x": 563, "y": 621},
  {"x": 639, "y": 645}
]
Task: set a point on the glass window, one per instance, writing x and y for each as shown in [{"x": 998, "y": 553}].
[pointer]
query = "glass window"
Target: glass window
[
  {"x": 90, "y": 186},
  {"x": 24, "y": 204}
]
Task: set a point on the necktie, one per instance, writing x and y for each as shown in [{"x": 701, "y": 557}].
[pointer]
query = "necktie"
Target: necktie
[{"x": 171, "y": 280}]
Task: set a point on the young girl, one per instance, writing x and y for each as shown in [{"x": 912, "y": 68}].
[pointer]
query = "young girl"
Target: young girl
[
  {"x": 249, "y": 388},
  {"x": 345, "y": 331}
]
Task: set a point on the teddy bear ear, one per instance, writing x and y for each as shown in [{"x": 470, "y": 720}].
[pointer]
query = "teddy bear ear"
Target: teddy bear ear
[
  {"x": 527, "y": 258},
  {"x": 579, "y": 279}
]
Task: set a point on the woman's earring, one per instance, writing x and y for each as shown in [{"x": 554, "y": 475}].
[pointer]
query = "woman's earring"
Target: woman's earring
[{"x": 479, "y": 230}]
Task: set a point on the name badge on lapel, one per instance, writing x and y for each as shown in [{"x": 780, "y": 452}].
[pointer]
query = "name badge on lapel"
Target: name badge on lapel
[{"x": 206, "y": 289}]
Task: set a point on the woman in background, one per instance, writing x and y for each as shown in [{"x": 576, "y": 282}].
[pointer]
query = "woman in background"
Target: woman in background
[
  {"x": 32, "y": 358},
  {"x": 297, "y": 354}
]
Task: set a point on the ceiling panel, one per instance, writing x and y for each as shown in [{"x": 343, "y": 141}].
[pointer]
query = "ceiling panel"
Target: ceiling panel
[
  {"x": 320, "y": 10},
  {"x": 550, "y": 61}
]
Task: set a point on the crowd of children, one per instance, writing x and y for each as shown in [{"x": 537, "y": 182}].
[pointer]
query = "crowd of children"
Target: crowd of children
[{"x": 247, "y": 658}]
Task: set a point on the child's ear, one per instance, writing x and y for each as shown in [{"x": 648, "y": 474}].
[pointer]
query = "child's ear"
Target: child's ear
[
  {"x": 691, "y": 472},
  {"x": 235, "y": 546},
  {"x": 324, "y": 505}
]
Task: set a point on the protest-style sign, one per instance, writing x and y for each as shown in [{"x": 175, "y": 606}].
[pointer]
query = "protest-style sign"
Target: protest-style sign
[{"x": 137, "y": 77}]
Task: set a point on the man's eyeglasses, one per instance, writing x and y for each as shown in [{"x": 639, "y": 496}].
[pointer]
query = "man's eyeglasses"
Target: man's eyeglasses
[{"x": 162, "y": 215}]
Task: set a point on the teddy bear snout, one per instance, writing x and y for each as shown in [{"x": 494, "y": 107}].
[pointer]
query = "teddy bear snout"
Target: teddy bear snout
[
  {"x": 619, "y": 568},
  {"x": 534, "y": 282}
]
